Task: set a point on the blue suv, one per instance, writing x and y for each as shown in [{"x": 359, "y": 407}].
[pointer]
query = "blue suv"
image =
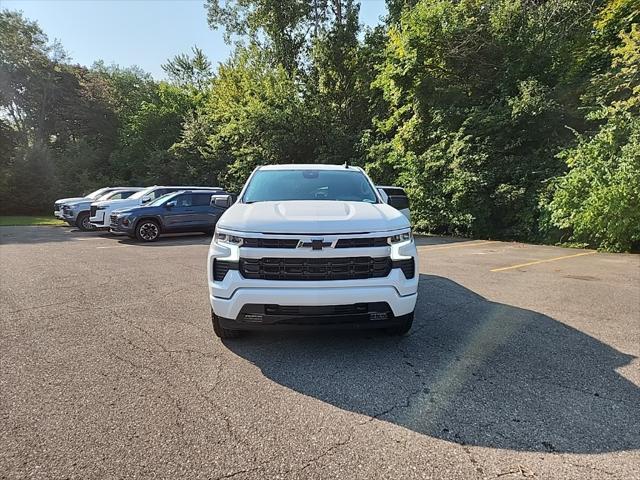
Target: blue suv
[{"x": 182, "y": 211}]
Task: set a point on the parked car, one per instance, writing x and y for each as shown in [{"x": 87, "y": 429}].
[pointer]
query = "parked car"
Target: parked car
[
  {"x": 57, "y": 205},
  {"x": 77, "y": 212},
  {"x": 311, "y": 245},
  {"x": 397, "y": 198},
  {"x": 101, "y": 211},
  {"x": 182, "y": 211}
]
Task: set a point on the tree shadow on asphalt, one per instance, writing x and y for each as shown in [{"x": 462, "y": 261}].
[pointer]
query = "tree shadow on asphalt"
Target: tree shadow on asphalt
[
  {"x": 28, "y": 234},
  {"x": 168, "y": 240},
  {"x": 25, "y": 235},
  {"x": 471, "y": 371}
]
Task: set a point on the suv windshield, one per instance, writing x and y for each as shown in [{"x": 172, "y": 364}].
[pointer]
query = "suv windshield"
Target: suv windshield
[
  {"x": 164, "y": 198},
  {"x": 97, "y": 194},
  {"x": 142, "y": 193},
  {"x": 280, "y": 185}
]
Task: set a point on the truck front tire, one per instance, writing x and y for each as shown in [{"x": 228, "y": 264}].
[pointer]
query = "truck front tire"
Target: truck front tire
[
  {"x": 404, "y": 327},
  {"x": 220, "y": 331}
]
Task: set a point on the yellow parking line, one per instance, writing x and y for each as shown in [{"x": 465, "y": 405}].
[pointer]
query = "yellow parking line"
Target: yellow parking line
[
  {"x": 458, "y": 245},
  {"x": 542, "y": 261}
]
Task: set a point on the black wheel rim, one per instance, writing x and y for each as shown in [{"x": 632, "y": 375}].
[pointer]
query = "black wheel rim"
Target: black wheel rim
[
  {"x": 148, "y": 231},
  {"x": 86, "y": 224}
]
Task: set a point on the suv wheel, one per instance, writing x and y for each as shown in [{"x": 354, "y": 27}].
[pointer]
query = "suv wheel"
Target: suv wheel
[
  {"x": 220, "y": 331},
  {"x": 83, "y": 223},
  {"x": 404, "y": 327},
  {"x": 147, "y": 231}
]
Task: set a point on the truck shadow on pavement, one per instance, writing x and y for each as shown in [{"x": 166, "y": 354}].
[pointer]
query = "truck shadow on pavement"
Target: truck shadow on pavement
[{"x": 471, "y": 371}]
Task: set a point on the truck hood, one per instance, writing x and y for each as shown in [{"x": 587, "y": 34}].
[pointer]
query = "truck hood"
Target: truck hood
[{"x": 312, "y": 217}]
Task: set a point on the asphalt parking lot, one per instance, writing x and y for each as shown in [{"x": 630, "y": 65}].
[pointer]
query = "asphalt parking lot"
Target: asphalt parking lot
[{"x": 523, "y": 362}]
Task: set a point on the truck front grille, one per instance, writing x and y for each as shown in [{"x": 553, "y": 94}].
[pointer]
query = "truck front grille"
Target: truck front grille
[
  {"x": 344, "y": 268},
  {"x": 93, "y": 210},
  {"x": 362, "y": 242},
  {"x": 357, "y": 242},
  {"x": 114, "y": 220},
  {"x": 270, "y": 242}
]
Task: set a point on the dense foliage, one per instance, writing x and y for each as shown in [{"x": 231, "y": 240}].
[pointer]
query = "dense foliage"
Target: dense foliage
[{"x": 502, "y": 118}]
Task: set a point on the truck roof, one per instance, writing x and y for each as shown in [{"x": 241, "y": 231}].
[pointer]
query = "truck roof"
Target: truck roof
[{"x": 307, "y": 166}]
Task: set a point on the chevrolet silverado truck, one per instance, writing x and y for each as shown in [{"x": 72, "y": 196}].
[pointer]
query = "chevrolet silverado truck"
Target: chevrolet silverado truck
[
  {"x": 77, "y": 212},
  {"x": 179, "y": 212},
  {"x": 307, "y": 246},
  {"x": 100, "y": 213}
]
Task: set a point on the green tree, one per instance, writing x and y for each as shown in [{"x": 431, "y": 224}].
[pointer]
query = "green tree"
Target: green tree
[
  {"x": 476, "y": 107},
  {"x": 254, "y": 114},
  {"x": 598, "y": 200},
  {"x": 187, "y": 71}
]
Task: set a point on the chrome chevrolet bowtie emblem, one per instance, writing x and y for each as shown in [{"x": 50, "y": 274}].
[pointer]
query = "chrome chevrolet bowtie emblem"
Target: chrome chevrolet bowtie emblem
[{"x": 315, "y": 244}]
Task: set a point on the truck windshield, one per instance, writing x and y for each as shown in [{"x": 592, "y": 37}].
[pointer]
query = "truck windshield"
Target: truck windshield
[{"x": 280, "y": 185}]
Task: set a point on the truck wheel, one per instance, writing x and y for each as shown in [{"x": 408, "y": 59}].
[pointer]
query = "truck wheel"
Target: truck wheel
[
  {"x": 147, "y": 230},
  {"x": 404, "y": 327},
  {"x": 220, "y": 331},
  {"x": 83, "y": 223}
]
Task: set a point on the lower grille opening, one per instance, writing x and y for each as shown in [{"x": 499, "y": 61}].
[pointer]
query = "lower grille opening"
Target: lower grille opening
[{"x": 315, "y": 315}]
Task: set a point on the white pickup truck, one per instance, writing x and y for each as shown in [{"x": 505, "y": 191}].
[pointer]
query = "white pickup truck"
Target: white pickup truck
[{"x": 311, "y": 245}]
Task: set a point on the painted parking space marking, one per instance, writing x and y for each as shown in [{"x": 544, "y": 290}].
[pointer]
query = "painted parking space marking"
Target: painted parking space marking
[
  {"x": 536, "y": 262},
  {"x": 457, "y": 245}
]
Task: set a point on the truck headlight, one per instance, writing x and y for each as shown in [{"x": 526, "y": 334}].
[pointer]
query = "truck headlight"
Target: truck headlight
[
  {"x": 400, "y": 237},
  {"x": 227, "y": 238}
]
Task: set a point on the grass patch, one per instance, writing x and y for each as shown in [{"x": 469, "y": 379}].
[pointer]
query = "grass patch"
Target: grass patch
[{"x": 23, "y": 220}]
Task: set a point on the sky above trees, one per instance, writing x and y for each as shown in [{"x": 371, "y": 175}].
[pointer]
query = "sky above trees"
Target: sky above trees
[{"x": 138, "y": 32}]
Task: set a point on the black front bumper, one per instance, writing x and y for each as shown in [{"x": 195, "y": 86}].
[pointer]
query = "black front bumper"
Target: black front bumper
[
  {"x": 285, "y": 317},
  {"x": 116, "y": 225}
]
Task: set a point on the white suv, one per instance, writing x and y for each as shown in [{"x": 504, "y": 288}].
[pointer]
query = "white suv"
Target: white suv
[{"x": 311, "y": 245}]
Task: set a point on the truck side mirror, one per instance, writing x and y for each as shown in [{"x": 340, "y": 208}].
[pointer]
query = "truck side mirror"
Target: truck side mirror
[
  {"x": 146, "y": 198},
  {"x": 399, "y": 202},
  {"x": 221, "y": 201},
  {"x": 170, "y": 205}
]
